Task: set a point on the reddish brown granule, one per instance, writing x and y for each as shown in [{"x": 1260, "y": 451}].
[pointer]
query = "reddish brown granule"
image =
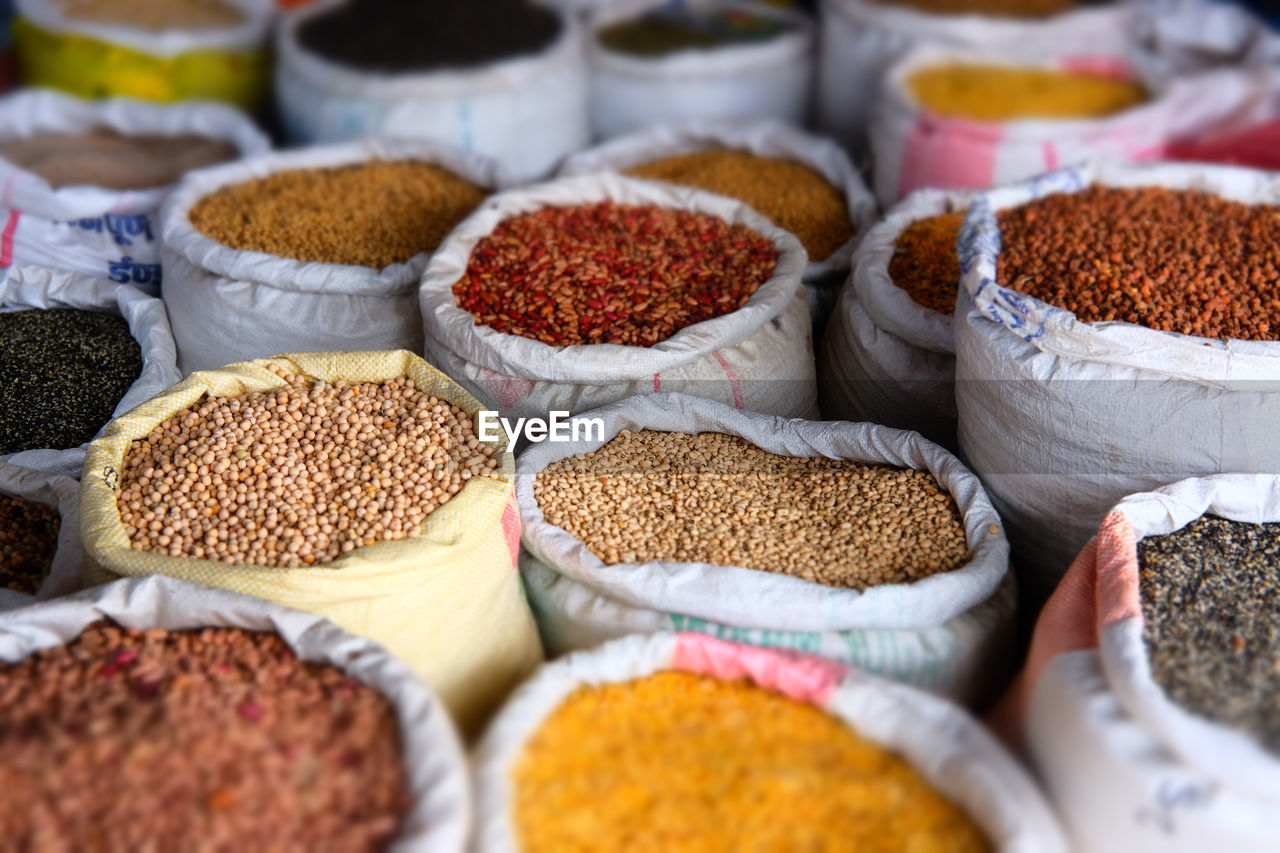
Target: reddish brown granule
[
  {"x": 924, "y": 262},
  {"x": 1173, "y": 260},
  {"x": 611, "y": 273},
  {"x": 218, "y": 739},
  {"x": 28, "y": 540}
]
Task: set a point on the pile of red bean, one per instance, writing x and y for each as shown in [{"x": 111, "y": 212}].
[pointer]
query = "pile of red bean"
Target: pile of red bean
[
  {"x": 218, "y": 739},
  {"x": 1173, "y": 260},
  {"x": 611, "y": 273}
]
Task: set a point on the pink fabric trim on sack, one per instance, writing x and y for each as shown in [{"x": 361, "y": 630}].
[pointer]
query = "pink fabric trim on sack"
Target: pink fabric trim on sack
[
  {"x": 950, "y": 154},
  {"x": 1100, "y": 588},
  {"x": 806, "y": 678}
]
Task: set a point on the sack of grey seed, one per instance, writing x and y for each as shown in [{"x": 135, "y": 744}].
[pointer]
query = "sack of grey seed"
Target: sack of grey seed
[
  {"x": 885, "y": 357},
  {"x": 438, "y": 813},
  {"x": 64, "y": 220},
  {"x": 1148, "y": 705},
  {"x": 40, "y": 551},
  {"x": 948, "y": 633},
  {"x": 37, "y": 287}
]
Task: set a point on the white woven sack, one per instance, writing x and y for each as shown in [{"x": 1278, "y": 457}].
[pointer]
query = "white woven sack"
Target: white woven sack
[
  {"x": 765, "y": 80},
  {"x": 527, "y": 112},
  {"x": 1127, "y": 768},
  {"x": 102, "y": 232},
  {"x": 912, "y": 148},
  {"x": 1177, "y": 37},
  {"x": 42, "y": 287},
  {"x": 1061, "y": 419},
  {"x": 758, "y": 358},
  {"x": 947, "y": 632},
  {"x": 230, "y": 305},
  {"x": 761, "y": 138},
  {"x": 861, "y": 39},
  {"x": 885, "y": 358},
  {"x": 248, "y": 34},
  {"x": 434, "y": 765},
  {"x": 1230, "y": 758},
  {"x": 939, "y": 740},
  {"x": 51, "y": 490}
]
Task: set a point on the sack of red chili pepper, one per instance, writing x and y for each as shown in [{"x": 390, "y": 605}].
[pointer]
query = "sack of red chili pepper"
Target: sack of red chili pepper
[
  {"x": 1116, "y": 330},
  {"x": 71, "y": 369},
  {"x": 685, "y": 739},
  {"x": 585, "y": 290},
  {"x": 40, "y": 552},
  {"x": 330, "y": 258},
  {"x": 224, "y": 719},
  {"x": 772, "y": 532},
  {"x": 1148, "y": 703},
  {"x": 888, "y": 355}
]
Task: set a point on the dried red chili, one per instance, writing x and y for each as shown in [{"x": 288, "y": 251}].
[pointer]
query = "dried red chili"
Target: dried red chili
[{"x": 611, "y": 273}]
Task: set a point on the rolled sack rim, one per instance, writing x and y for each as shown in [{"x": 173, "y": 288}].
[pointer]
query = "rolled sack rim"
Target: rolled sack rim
[
  {"x": 1057, "y": 332},
  {"x": 501, "y": 75},
  {"x": 809, "y": 606},
  {"x": 250, "y": 34}
]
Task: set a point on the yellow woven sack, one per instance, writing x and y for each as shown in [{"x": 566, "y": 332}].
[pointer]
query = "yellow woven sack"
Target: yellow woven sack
[
  {"x": 92, "y": 68},
  {"x": 447, "y": 602}
]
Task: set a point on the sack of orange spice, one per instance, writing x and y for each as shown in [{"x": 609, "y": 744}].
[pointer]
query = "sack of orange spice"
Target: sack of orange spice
[{"x": 676, "y": 739}]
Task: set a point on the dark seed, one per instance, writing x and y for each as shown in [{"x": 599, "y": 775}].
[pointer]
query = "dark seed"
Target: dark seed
[
  {"x": 28, "y": 539},
  {"x": 62, "y": 373},
  {"x": 1211, "y": 603}
]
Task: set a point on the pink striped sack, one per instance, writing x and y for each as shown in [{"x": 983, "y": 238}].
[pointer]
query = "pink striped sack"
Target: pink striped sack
[
  {"x": 1125, "y": 767},
  {"x": 914, "y": 149},
  {"x": 939, "y": 740},
  {"x": 758, "y": 358}
]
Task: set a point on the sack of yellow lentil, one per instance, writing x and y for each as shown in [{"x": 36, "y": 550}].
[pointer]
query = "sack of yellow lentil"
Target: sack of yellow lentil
[
  {"x": 85, "y": 179},
  {"x": 972, "y": 119},
  {"x": 447, "y": 601},
  {"x": 674, "y": 736},
  {"x": 737, "y": 76},
  {"x": 1072, "y": 391},
  {"x": 804, "y": 184},
  {"x": 701, "y": 293},
  {"x": 327, "y": 263},
  {"x": 35, "y": 287},
  {"x": 948, "y": 631},
  {"x": 435, "y": 797},
  {"x": 163, "y": 50},
  {"x": 888, "y": 355},
  {"x": 526, "y": 110},
  {"x": 859, "y": 40},
  {"x": 1147, "y": 706},
  {"x": 40, "y": 553}
]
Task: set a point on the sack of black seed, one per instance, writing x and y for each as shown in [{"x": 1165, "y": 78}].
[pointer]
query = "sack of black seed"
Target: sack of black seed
[
  {"x": 502, "y": 78},
  {"x": 75, "y": 351},
  {"x": 1150, "y": 704},
  {"x": 40, "y": 552}
]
